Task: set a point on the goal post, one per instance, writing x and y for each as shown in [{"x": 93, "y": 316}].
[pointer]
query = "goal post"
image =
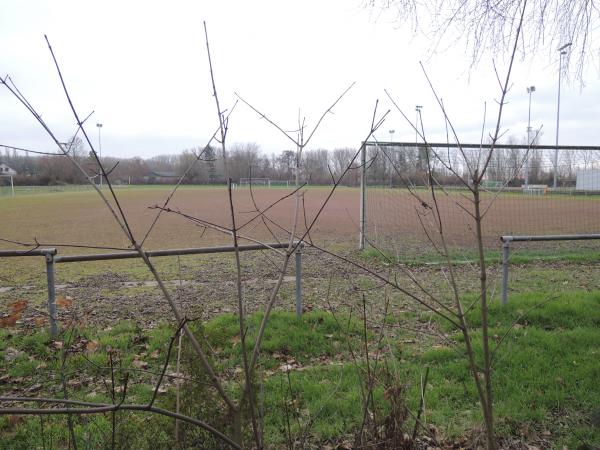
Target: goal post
[
  {"x": 265, "y": 182},
  {"x": 261, "y": 182},
  {"x": 279, "y": 183},
  {"x": 398, "y": 213}
]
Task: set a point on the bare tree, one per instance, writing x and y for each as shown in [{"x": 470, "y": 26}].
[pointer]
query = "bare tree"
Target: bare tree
[{"x": 487, "y": 25}]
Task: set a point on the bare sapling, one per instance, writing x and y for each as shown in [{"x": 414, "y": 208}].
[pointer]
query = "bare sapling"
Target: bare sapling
[
  {"x": 119, "y": 216},
  {"x": 481, "y": 371}
]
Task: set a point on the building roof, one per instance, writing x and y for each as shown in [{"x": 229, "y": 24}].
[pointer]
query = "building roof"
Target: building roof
[
  {"x": 5, "y": 169},
  {"x": 153, "y": 173}
]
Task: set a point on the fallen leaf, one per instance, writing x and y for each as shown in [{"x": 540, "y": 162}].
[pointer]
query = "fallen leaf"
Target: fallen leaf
[
  {"x": 10, "y": 353},
  {"x": 35, "y": 387},
  {"x": 64, "y": 302},
  {"x": 18, "y": 306},
  {"x": 9, "y": 321},
  {"x": 286, "y": 367},
  {"x": 138, "y": 363},
  {"x": 91, "y": 347},
  {"x": 74, "y": 383},
  {"x": 13, "y": 421}
]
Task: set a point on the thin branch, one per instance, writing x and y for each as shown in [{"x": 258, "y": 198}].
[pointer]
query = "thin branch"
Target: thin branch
[
  {"x": 241, "y": 320},
  {"x": 166, "y": 364},
  {"x": 185, "y": 173},
  {"x": 96, "y": 408}
]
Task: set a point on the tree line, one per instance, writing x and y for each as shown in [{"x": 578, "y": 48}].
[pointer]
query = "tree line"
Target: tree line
[
  {"x": 244, "y": 160},
  {"x": 386, "y": 166}
]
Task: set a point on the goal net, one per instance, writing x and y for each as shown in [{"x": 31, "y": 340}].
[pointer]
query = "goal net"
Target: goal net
[
  {"x": 262, "y": 182},
  {"x": 525, "y": 191}
]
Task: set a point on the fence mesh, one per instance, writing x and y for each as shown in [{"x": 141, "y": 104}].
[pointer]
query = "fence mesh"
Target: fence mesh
[{"x": 519, "y": 194}]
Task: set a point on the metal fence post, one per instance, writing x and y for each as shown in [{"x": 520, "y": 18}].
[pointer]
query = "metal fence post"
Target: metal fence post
[
  {"x": 299, "y": 281},
  {"x": 51, "y": 294},
  {"x": 505, "y": 258}
]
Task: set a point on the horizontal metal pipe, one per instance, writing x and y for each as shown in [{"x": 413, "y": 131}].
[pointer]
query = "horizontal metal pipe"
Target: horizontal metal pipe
[
  {"x": 551, "y": 237},
  {"x": 477, "y": 146},
  {"x": 172, "y": 252},
  {"x": 34, "y": 252}
]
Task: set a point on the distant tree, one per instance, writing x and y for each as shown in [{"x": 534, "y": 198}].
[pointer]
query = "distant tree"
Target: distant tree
[
  {"x": 341, "y": 158},
  {"x": 287, "y": 164},
  {"x": 244, "y": 161},
  {"x": 315, "y": 166},
  {"x": 210, "y": 156}
]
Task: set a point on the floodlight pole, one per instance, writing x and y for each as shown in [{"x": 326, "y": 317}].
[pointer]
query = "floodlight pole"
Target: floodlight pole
[
  {"x": 530, "y": 90},
  {"x": 417, "y": 114},
  {"x": 562, "y": 51},
  {"x": 390, "y": 157},
  {"x": 99, "y": 125}
]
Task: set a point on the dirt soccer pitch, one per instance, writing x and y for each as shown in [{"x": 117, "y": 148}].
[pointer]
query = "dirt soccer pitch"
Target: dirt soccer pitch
[{"x": 80, "y": 218}]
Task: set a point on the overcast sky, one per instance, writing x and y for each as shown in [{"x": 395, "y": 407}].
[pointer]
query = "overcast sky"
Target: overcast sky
[{"x": 141, "y": 66}]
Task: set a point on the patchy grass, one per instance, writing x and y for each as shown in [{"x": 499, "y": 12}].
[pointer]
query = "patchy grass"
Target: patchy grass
[
  {"x": 317, "y": 334},
  {"x": 309, "y": 385},
  {"x": 519, "y": 254},
  {"x": 545, "y": 370}
]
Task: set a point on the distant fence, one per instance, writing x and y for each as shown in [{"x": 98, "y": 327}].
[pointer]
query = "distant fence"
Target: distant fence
[
  {"x": 35, "y": 190},
  {"x": 51, "y": 257}
]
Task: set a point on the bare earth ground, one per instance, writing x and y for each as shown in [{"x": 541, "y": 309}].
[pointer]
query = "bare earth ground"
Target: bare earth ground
[
  {"x": 103, "y": 292},
  {"x": 394, "y": 212},
  {"x": 81, "y": 218},
  {"x": 107, "y": 291}
]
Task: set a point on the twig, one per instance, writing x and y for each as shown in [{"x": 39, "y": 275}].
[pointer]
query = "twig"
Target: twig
[
  {"x": 166, "y": 364},
  {"x": 241, "y": 320},
  {"x": 95, "y": 408},
  {"x": 421, "y": 406}
]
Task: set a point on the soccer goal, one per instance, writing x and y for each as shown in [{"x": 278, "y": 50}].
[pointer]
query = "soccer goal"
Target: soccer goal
[
  {"x": 280, "y": 183},
  {"x": 261, "y": 182},
  {"x": 534, "y": 191}
]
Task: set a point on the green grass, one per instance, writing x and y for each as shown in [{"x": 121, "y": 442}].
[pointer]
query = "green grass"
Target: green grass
[
  {"x": 518, "y": 255},
  {"x": 545, "y": 371},
  {"x": 316, "y": 334},
  {"x": 546, "y": 375}
]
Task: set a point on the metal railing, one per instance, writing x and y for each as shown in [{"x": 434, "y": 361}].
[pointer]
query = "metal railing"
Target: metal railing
[
  {"x": 52, "y": 257},
  {"x": 506, "y": 240}
]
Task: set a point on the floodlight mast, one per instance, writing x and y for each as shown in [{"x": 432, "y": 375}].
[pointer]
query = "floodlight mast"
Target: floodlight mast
[
  {"x": 99, "y": 125},
  {"x": 530, "y": 90},
  {"x": 418, "y": 111},
  {"x": 562, "y": 51},
  {"x": 418, "y": 114},
  {"x": 391, "y": 157}
]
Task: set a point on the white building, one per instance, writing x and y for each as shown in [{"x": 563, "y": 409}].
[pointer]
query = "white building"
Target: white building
[
  {"x": 588, "y": 180},
  {"x": 6, "y": 171}
]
